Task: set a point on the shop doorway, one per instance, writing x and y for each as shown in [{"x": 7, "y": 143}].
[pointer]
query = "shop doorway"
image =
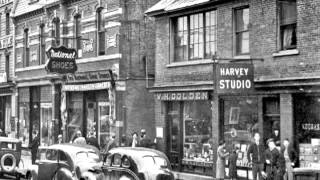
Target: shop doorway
[
  {"x": 34, "y": 111},
  {"x": 271, "y": 118}
]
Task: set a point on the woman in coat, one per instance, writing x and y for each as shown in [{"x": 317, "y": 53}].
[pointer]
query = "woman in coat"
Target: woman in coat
[{"x": 221, "y": 160}]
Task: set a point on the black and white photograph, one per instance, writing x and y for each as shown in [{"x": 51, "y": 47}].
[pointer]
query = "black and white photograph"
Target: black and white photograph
[{"x": 160, "y": 89}]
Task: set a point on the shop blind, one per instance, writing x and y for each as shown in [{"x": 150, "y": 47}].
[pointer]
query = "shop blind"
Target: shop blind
[{"x": 24, "y": 94}]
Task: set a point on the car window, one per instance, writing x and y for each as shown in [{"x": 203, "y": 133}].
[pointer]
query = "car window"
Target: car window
[
  {"x": 87, "y": 156},
  {"x": 62, "y": 156},
  {"x": 47, "y": 154}
]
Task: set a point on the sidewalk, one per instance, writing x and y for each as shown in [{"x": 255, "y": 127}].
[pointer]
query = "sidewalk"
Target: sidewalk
[{"x": 188, "y": 176}]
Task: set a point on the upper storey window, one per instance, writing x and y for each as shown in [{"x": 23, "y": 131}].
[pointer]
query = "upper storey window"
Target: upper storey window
[
  {"x": 195, "y": 36},
  {"x": 241, "y": 19},
  {"x": 288, "y": 24}
]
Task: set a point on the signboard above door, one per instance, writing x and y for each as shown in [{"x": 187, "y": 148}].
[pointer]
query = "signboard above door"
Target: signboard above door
[
  {"x": 62, "y": 60},
  {"x": 234, "y": 78}
]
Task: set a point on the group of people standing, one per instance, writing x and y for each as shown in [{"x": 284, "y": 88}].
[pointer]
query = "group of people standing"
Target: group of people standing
[{"x": 267, "y": 163}]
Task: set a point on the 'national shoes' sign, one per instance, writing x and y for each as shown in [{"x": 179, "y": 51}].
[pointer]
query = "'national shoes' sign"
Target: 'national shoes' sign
[
  {"x": 62, "y": 60},
  {"x": 234, "y": 78}
]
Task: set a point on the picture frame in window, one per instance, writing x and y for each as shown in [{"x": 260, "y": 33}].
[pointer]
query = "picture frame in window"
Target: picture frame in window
[{"x": 234, "y": 115}]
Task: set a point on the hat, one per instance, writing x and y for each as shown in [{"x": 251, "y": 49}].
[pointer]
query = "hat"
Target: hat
[
  {"x": 270, "y": 140},
  {"x": 143, "y": 131},
  {"x": 59, "y": 136}
]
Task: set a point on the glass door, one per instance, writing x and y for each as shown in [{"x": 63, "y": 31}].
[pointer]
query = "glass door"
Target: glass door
[
  {"x": 91, "y": 120},
  {"x": 103, "y": 122},
  {"x": 46, "y": 124}
]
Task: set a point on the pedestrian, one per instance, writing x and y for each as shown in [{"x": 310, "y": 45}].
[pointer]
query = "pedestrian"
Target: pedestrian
[
  {"x": 60, "y": 140},
  {"x": 276, "y": 136},
  {"x": 34, "y": 145},
  {"x": 79, "y": 139},
  {"x": 275, "y": 164},
  {"x": 221, "y": 159},
  {"x": 256, "y": 157},
  {"x": 233, "y": 163},
  {"x": 290, "y": 156},
  {"x": 134, "y": 142},
  {"x": 123, "y": 141},
  {"x": 92, "y": 140},
  {"x": 144, "y": 140},
  {"x": 111, "y": 143}
]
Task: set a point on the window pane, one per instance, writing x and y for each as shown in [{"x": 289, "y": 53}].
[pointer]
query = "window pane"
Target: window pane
[
  {"x": 242, "y": 43},
  {"x": 288, "y": 13},
  {"x": 288, "y": 36},
  {"x": 196, "y": 36},
  {"x": 210, "y": 33},
  {"x": 242, "y": 19},
  {"x": 181, "y": 39}
]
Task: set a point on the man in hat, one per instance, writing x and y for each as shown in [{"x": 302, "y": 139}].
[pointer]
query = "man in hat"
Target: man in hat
[
  {"x": 60, "y": 139},
  {"x": 79, "y": 139},
  {"x": 92, "y": 140},
  {"x": 144, "y": 140},
  {"x": 275, "y": 164}
]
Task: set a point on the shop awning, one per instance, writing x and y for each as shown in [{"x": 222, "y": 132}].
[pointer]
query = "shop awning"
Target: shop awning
[{"x": 86, "y": 87}]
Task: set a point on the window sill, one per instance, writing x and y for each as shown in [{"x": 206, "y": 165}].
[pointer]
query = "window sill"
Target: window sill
[
  {"x": 190, "y": 63},
  {"x": 242, "y": 57},
  {"x": 286, "y": 53}
]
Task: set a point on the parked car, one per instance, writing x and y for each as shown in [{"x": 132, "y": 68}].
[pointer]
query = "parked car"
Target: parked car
[
  {"x": 126, "y": 163},
  {"x": 10, "y": 157},
  {"x": 67, "y": 162}
]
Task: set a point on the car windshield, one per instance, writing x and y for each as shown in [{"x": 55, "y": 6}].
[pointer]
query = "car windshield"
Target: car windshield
[
  {"x": 88, "y": 156},
  {"x": 155, "y": 162},
  {"x": 47, "y": 154}
]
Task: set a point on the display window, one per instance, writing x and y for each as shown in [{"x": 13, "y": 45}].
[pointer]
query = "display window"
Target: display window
[
  {"x": 75, "y": 122},
  {"x": 24, "y": 122},
  {"x": 240, "y": 122},
  {"x": 46, "y": 124},
  {"x": 189, "y": 133},
  {"x": 104, "y": 122}
]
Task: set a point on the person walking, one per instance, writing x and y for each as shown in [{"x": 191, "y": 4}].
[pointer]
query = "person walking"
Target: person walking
[
  {"x": 256, "y": 157},
  {"x": 221, "y": 159},
  {"x": 111, "y": 143},
  {"x": 79, "y": 139},
  {"x": 233, "y": 163},
  {"x": 290, "y": 156},
  {"x": 134, "y": 142},
  {"x": 60, "y": 140},
  {"x": 92, "y": 140},
  {"x": 34, "y": 145},
  {"x": 144, "y": 140},
  {"x": 275, "y": 164}
]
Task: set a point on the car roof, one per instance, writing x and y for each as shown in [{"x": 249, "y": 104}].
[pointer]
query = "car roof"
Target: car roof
[
  {"x": 137, "y": 152},
  {"x": 8, "y": 139},
  {"x": 71, "y": 148}
]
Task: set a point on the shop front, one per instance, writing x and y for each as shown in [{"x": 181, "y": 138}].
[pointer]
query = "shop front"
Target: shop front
[
  {"x": 7, "y": 123},
  {"x": 89, "y": 105},
  {"x": 35, "y": 107},
  {"x": 188, "y": 129}
]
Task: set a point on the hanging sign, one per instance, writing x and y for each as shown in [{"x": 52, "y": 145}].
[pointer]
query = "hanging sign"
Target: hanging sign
[
  {"x": 234, "y": 78},
  {"x": 62, "y": 60}
]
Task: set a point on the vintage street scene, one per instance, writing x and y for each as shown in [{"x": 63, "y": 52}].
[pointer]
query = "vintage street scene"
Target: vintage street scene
[{"x": 160, "y": 89}]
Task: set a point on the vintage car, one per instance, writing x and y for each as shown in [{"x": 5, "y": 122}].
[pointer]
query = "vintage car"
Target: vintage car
[
  {"x": 126, "y": 163},
  {"x": 10, "y": 157},
  {"x": 67, "y": 162}
]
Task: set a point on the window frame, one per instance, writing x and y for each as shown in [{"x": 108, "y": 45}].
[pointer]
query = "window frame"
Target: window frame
[
  {"x": 77, "y": 32},
  {"x": 281, "y": 27},
  {"x": 42, "y": 44},
  {"x": 8, "y": 23},
  {"x": 56, "y": 31},
  {"x": 236, "y": 32},
  {"x": 100, "y": 33},
  {"x": 26, "y": 49},
  {"x": 203, "y": 29}
]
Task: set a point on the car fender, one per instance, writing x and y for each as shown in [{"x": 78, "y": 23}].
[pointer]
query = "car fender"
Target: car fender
[{"x": 64, "y": 173}]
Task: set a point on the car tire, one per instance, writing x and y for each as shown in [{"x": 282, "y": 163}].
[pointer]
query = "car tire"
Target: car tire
[{"x": 6, "y": 168}]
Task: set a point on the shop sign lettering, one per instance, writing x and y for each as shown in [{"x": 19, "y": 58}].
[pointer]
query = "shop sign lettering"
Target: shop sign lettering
[
  {"x": 182, "y": 96},
  {"x": 311, "y": 127},
  {"x": 87, "y": 46},
  {"x": 5, "y": 43},
  {"x": 234, "y": 78},
  {"x": 62, "y": 60},
  {"x": 86, "y": 87},
  {"x": 90, "y": 76}
]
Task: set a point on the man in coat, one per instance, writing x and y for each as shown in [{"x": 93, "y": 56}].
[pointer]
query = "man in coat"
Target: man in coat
[
  {"x": 256, "y": 157},
  {"x": 92, "y": 140},
  {"x": 275, "y": 163},
  {"x": 34, "y": 145}
]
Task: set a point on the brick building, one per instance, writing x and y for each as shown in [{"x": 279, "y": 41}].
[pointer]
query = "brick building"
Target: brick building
[
  {"x": 7, "y": 93},
  {"x": 108, "y": 93},
  {"x": 280, "y": 38}
]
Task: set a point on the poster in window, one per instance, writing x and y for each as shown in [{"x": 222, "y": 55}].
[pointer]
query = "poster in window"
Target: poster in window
[{"x": 234, "y": 115}]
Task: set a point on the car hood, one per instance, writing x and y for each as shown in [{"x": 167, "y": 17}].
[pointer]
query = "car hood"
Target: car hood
[{"x": 86, "y": 166}]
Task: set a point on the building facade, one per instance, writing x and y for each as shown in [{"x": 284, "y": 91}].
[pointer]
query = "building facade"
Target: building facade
[
  {"x": 7, "y": 92},
  {"x": 108, "y": 92},
  {"x": 279, "y": 38}
]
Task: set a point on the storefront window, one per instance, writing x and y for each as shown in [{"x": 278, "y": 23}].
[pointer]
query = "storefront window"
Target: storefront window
[
  {"x": 240, "y": 120},
  {"x": 197, "y": 131},
  {"x": 104, "y": 125},
  {"x": 46, "y": 124},
  {"x": 75, "y": 118},
  {"x": 24, "y": 123}
]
